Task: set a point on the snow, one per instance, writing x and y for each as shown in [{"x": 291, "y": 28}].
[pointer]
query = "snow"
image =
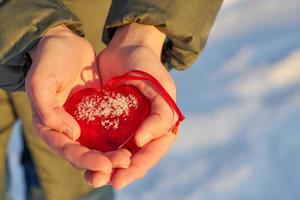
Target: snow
[{"x": 16, "y": 186}]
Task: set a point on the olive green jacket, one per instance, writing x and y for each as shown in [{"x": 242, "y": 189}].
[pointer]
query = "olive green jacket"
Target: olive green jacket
[{"x": 23, "y": 22}]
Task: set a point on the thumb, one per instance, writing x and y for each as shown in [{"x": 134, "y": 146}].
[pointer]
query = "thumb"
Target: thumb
[{"x": 44, "y": 102}]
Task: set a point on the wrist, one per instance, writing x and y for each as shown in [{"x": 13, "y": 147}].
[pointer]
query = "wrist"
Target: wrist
[
  {"x": 57, "y": 31},
  {"x": 135, "y": 34}
]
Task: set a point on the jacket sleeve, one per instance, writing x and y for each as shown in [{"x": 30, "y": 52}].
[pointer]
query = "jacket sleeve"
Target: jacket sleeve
[
  {"x": 186, "y": 23},
  {"x": 22, "y": 23}
]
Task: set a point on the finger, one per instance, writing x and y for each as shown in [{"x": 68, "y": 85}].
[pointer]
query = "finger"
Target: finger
[
  {"x": 97, "y": 179},
  {"x": 80, "y": 156},
  {"x": 119, "y": 158},
  {"x": 142, "y": 161},
  {"x": 42, "y": 95},
  {"x": 156, "y": 124},
  {"x": 161, "y": 118},
  {"x": 84, "y": 158}
]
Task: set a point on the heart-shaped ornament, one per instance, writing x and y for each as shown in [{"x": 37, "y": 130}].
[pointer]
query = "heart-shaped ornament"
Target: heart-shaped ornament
[{"x": 109, "y": 116}]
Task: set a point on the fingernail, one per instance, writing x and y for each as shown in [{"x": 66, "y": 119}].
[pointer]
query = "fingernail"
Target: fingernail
[
  {"x": 69, "y": 132},
  {"x": 144, "y": 139}
]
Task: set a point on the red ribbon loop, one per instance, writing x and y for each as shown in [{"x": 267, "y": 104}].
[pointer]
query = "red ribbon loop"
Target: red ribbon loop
[{"x": 143, "y": 76}]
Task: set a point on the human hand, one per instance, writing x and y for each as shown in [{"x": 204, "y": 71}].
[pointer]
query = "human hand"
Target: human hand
[
  {"x": 138, "y": 47},
  {"x": 62, "y": 64}
]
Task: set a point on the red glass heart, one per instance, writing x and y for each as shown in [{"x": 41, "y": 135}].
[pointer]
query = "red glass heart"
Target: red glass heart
[{"x": 109, "y": 117}]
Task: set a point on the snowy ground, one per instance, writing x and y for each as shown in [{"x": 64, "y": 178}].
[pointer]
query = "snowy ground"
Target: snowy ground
[{"x": 241, "y": 139}]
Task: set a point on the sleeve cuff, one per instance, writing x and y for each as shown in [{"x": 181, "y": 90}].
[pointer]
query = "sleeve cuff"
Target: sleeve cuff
[
  {"x": 186, "y": 24},
  {"x": 22, "y": 24},
  {"x": 19, "y": 31}
]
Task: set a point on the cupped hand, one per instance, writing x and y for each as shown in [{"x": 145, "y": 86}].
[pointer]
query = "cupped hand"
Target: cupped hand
[
  {"x": 138, "y": 47},
  {"x": 62, "y": 64}
]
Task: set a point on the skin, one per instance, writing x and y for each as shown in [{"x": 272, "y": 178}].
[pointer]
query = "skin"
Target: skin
[
  {"x": 68, "y": 63},
  {"x": 62, "y": 64}
]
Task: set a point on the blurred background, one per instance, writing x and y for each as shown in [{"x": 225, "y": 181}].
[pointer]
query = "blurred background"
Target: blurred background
[{"x": 241, "y": 138}]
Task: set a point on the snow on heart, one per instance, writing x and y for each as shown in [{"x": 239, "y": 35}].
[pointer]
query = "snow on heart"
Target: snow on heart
[{"x": 108, "y": 108}]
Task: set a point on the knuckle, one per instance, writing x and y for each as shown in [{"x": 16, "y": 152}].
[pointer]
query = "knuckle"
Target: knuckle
[
  {"x": 64, "y": 152},
  {"x": 117, "y": 157},
  {"x": 166, "y": 125},
  {"x": 164, "y": 122},
  {"x": 101, "y": 159},
  {"x": 125, "y": 153},
  {"x": 105, "y": 162},
  {"x": 168, "y": 119}
]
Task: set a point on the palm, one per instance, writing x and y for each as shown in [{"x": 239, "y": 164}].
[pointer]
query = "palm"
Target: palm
[
  {"x": 62, "y": 64},
  {"x": 115, "y": 62}
]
